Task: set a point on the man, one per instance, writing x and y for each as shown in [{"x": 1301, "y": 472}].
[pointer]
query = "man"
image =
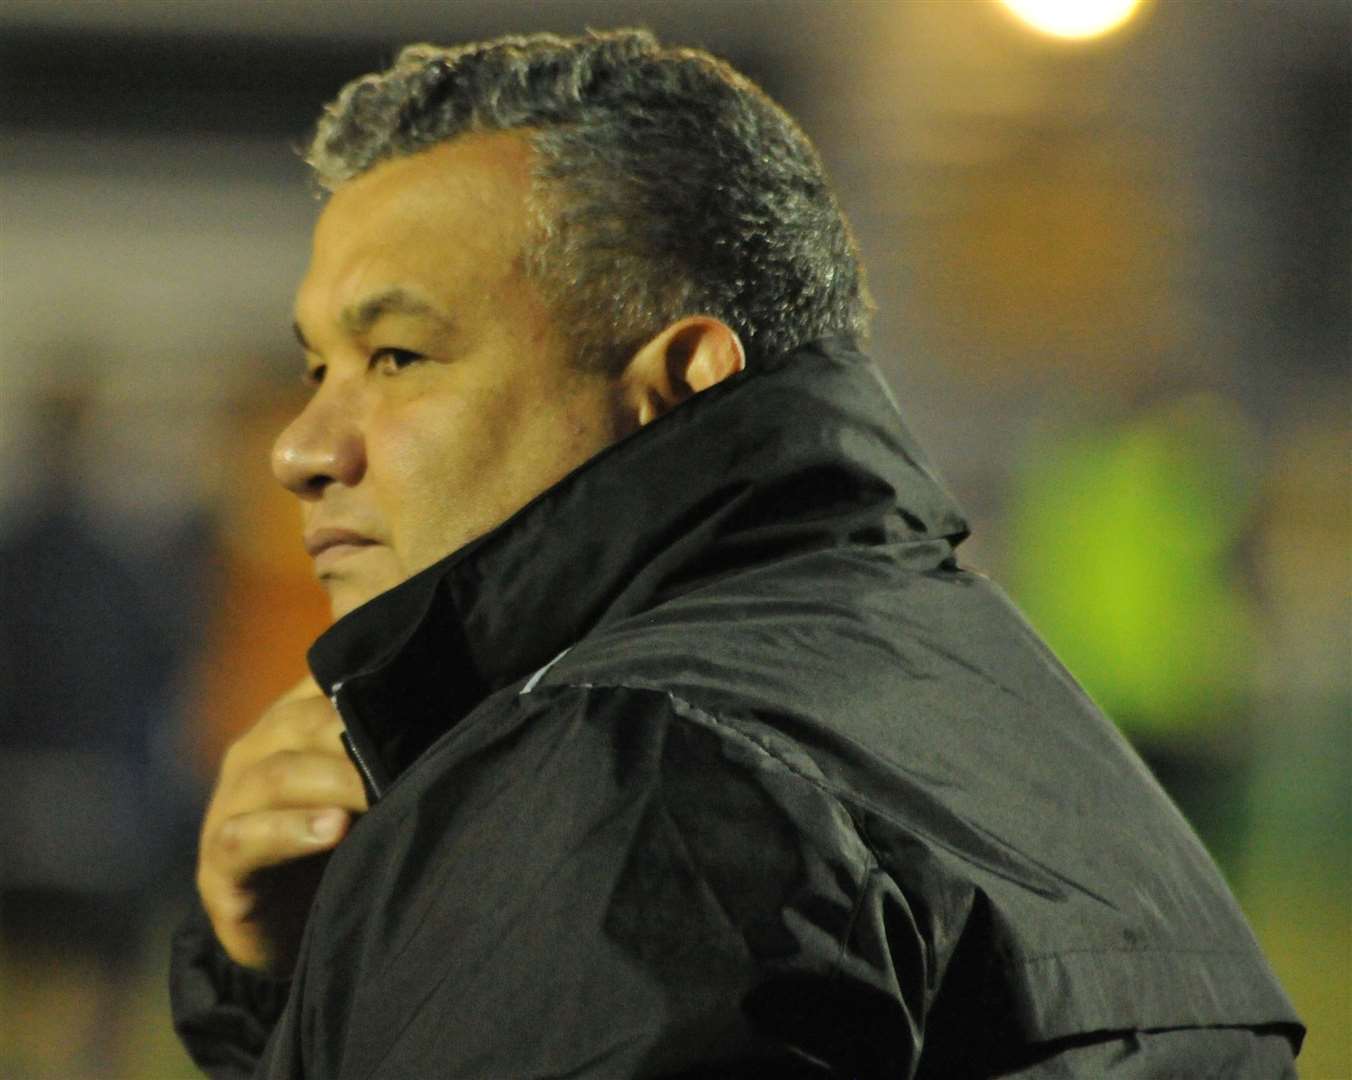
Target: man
[{"x": 660, "y": 732}]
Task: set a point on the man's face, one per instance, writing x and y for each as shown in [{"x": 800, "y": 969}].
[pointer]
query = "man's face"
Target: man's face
[{"x": 443, "y": 396}]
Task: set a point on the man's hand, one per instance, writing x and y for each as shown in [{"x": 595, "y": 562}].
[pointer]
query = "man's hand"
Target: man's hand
[{"x": 285, "y": 796}]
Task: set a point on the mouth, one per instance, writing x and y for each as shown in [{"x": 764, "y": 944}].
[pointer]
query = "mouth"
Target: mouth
[{"x": 329, "y": 546}]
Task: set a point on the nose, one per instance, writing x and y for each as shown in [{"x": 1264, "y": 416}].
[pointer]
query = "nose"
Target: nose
[{"x": 321, "y": 446}]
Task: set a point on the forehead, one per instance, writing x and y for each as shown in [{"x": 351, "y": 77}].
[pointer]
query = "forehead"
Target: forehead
[{"x": 438, "y": 220}]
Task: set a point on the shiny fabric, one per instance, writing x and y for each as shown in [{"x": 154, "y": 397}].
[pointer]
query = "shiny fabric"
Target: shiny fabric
[{"x": 712, "y": 761}]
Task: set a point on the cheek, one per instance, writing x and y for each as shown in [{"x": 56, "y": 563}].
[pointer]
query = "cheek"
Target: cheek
[{"x": 437, "y": 469}]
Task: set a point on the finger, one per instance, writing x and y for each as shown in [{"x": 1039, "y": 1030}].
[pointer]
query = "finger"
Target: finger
[
  {"x": 298, "y": 717},
  {"x": 294, "y": 779},
  {"x": 308, "y": 724},
  {"x": 247, "y": 843},
  {"x": 305, "y": 689}
]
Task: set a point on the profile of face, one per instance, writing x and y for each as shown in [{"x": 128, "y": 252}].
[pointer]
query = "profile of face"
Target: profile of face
[{"x": 443, "y": 398}]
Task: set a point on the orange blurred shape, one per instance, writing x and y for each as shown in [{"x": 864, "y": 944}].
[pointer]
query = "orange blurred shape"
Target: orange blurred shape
[{"x": 271, "y": 607}]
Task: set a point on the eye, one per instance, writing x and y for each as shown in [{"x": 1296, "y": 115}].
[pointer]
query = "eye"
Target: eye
[
  {"x": 313, "y": 376},
  {"x": 391, "y": 361}
]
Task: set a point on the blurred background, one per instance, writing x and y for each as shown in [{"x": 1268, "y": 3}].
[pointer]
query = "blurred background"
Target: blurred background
[{"x": 1113, "y": 276}]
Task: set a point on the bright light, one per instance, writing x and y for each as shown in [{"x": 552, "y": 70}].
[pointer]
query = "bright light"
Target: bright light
[{"x": 1073, "y": 18}]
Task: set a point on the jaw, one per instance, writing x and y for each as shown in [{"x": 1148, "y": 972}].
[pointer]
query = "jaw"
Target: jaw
[{"x": 358, "y": 577}]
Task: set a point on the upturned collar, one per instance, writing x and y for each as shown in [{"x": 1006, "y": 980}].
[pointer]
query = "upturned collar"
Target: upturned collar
[{"x": 804, "y": 451}]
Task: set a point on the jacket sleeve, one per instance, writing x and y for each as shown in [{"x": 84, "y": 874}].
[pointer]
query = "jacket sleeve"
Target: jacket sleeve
[
  {"x": 608, "y": 882},
  {"x": 224, "y": 1013}
]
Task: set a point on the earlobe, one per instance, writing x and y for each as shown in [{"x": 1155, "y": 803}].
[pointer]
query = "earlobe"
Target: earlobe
[{"x": 650, "y": 407}]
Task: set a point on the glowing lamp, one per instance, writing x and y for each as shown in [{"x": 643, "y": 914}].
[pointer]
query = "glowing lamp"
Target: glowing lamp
[{"x": 1073, "y": 18}]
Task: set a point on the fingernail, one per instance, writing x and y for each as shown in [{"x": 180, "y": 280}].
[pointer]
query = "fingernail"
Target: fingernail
[{"x": 326, "y": 824}]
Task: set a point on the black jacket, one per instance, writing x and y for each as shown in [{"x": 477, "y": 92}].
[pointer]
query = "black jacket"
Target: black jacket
[{"x": 712, "y": 761}]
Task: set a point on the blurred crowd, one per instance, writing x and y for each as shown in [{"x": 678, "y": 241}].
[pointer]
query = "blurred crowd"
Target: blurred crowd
[{"x": 153, "y": 606}]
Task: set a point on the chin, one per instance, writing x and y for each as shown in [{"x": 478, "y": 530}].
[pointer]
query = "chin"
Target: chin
[
  {"x": 345, "y": 597},
  {"x": 351, "y": 583}
]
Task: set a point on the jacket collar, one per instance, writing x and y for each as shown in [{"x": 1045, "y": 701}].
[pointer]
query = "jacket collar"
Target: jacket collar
[{"x": 801, "y": 452}]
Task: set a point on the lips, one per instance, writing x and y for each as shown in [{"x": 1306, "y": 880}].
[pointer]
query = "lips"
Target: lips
[{"x": 335, "y": 543}]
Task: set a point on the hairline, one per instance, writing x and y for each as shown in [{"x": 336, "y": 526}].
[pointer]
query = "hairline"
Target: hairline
[
  {"x": 534, "y": 241},
  {"x": 570, "y": 250}
]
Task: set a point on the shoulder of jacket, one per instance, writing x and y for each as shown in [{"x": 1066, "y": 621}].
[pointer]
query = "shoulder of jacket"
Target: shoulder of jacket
[{"x": 750, "y": 743}]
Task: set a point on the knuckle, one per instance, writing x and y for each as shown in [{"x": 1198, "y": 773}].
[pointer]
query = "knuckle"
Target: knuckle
[
  {"x": 276, "y": 772},
  {"x": 318, "y": 722},
  {"x": 298, "y": 723},
  {"x": 229, "y": 836},
  {"x": 276, "y": 723}
]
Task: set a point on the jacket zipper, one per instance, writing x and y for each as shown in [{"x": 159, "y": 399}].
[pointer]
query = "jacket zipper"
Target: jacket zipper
[{"x": 373, "y": 791}]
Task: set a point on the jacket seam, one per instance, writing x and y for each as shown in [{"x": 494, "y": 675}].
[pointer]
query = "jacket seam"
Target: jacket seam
[
  {"x": 870, "y": 865},
  {"x": 853, "y": 805},
  {"x": 1109, "y": 950},
  {"x": 849, "y": 807},
  {"x": 870, "y": 868},
  {"x": 735, "y": 731},
  {"x": 875, "y": 861}
]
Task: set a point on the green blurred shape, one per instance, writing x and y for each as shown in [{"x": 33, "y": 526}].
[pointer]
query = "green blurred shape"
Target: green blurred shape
[{"x": 1123, "y": 542}]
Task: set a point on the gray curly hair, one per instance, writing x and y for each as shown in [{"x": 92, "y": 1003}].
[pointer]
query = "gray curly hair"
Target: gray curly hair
[{"x": 667, "y": 184}]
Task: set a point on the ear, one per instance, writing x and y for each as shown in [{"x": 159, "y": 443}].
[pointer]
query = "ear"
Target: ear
[{"x": 690, "y": 355}]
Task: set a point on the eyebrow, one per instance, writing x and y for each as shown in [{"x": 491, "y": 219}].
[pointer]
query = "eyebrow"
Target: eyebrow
[{"x": 357, "y": 318}]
